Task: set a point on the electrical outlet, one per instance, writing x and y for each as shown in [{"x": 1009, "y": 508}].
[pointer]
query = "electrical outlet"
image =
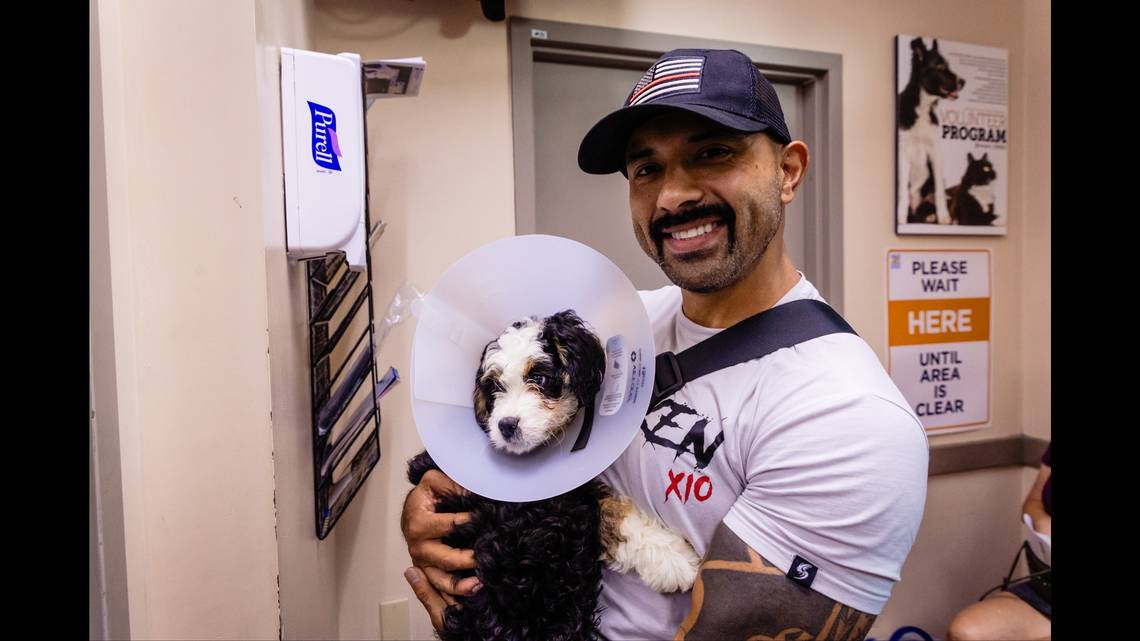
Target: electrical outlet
[{"x": 394, "y": 620}]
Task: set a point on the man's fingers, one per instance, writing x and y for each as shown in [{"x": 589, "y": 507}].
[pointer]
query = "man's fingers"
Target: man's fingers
[
  {"x": 439, "y": 484},
  {"x": 448, "y": 584},
  {"x": 437, "y": 554},
  {"x": 427, "y": 524},
  {"x": 419, "y": 519},
  {"x": 432, "y": 601}
]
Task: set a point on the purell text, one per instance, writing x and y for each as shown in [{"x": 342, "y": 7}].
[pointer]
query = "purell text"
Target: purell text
[{"x": 326, "y": 148}]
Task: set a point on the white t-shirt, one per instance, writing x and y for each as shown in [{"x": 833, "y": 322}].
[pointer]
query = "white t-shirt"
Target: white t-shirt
[{"x": 811, "y": 451}]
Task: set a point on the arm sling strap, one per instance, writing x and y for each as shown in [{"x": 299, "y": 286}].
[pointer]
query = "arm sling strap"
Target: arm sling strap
[{"x": 756, "y": 336}]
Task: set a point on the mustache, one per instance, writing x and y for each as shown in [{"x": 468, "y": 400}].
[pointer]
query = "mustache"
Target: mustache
[{"x": 721, "y": 211}]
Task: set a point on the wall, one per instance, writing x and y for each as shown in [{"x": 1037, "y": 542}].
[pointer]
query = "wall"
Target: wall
[
  {"x": 440, "y": 171},
  {"x": 109, "y": 614},
  {"x": 331, "y": 588},
  {"x": 180, "y": 368},
  {"x": 308, "y": 585},
  {"x": 1036, "y": 234}
]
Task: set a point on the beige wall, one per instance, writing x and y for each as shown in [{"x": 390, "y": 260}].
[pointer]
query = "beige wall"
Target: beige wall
[
  {"x": 441, "y": 175},
  {"x": 1036, "y": 232},
  {"x": 308, "y": 585},
  {"x": 181, "y": 277},
  {"x": 109, "y": 612}
]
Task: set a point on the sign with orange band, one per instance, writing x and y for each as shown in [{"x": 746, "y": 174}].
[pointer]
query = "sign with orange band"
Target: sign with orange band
[{"x": 938, "y": 335}]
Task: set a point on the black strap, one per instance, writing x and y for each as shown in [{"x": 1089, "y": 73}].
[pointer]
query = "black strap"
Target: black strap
[
  {"x": 756, "y": 336},
  {"x": 587, "y": 425}
]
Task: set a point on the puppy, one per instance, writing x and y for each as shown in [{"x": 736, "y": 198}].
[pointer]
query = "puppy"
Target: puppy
[
  {"x": 541, "y": 562},
  {"x": 920, "y": 174},
  {"x": 972, "y": 200},
  {"x": 533, "y": 379}
]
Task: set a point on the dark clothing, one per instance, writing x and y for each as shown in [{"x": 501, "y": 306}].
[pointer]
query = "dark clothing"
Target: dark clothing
[
  {"x": 1038, "y": 591},
  {"x": 1026, "y": 593}
]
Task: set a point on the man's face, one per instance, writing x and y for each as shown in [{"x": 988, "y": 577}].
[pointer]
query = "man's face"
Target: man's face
[{"x": 706, "y": 201}]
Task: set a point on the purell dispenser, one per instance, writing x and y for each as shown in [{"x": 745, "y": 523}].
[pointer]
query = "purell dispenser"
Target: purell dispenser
[{"x": 322, "y": 121}]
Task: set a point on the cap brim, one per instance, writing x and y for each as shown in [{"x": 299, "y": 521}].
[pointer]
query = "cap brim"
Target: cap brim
[{"x": 603, "y": 148}]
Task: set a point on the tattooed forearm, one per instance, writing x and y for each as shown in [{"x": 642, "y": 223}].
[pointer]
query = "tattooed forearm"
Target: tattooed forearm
[{"x": 739, "y": 595}]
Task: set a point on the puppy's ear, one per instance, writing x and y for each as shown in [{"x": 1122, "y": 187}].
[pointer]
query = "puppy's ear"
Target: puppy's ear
[
  {"x": 483, "y": 396},
  {"x": 579, "y": 353}
]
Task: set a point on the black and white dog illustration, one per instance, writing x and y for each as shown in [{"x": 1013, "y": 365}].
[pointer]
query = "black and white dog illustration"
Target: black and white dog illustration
[
  {"x": 972, "y": 200},
  {"x": 540, "y": 562},
  {"x": 920, "y": 174}
]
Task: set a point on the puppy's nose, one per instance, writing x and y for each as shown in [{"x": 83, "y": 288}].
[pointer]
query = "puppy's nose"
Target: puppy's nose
[{"x": 508, "y": 426}]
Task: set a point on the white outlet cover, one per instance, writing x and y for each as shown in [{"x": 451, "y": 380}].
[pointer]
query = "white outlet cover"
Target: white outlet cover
[{"x": 394, "y": 620}]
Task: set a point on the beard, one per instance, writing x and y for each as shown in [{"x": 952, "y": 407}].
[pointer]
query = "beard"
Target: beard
[{"x": 715, "y": 268}]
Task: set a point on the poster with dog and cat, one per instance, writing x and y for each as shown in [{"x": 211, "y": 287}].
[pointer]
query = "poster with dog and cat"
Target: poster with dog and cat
[{"x": 952, "y": 145}]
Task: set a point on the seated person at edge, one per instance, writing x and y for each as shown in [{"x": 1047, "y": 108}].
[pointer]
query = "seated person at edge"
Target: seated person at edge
[
  {"x": 1025, "y": 610},
  {"x": 816, "y": 463}
]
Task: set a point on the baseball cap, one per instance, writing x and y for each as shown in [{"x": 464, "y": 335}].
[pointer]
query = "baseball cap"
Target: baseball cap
[{"x": 720, "y": 84}]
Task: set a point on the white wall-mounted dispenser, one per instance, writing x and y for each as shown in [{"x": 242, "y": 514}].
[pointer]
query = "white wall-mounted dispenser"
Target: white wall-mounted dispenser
[{"x": 322, "y": 122}]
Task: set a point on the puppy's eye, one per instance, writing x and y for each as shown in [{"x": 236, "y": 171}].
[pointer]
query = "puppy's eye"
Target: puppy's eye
[{"x": 539, "y": 380}]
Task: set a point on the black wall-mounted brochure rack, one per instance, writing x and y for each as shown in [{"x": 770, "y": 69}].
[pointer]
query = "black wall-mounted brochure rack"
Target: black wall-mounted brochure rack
[{"x": 345, "y": 387}]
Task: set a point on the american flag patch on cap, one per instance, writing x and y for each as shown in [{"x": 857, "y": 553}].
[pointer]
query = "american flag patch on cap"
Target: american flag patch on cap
[{"x": 668, "y": 77}]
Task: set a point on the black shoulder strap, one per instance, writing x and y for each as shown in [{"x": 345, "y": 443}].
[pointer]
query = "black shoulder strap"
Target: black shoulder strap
[{"x": 759, "y": 335}]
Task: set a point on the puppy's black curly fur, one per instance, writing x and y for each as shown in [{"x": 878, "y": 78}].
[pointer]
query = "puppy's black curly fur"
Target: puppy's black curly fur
[
  {"x": 539, "y": 562},
  {"x": 577, "y": 350}
]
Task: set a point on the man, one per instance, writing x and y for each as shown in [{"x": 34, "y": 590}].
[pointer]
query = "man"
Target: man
[{"x": 800, "y": 477}]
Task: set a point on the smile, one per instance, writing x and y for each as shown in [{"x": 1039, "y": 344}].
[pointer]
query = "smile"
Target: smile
[
  {"x": 694, "y": 232},
  {"x": 694, "y": 236}
]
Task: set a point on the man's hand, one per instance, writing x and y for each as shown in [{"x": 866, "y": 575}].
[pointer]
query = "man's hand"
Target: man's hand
[
  {"x": 423, "y": 527},
  {"x": 434, "y": 602}
]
